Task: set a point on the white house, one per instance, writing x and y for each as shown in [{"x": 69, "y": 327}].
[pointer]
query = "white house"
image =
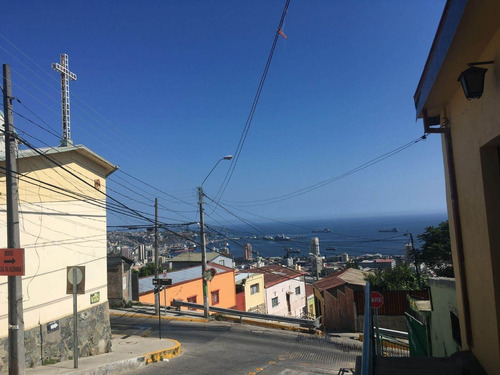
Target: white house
[{"x": 285, "y": 290}]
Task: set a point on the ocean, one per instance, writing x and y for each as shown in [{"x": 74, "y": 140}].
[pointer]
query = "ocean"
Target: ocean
[{"x": 354, "y": 236}]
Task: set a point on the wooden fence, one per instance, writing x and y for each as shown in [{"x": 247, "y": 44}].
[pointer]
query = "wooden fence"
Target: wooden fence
[{"x": 395, "y": 301}]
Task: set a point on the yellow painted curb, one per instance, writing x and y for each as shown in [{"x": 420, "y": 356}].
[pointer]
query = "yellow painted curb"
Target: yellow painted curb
[
  {"x": 160, "y": 355},
  {"x": 147, "y": 316},
  {"x": 269, "y": 324}
]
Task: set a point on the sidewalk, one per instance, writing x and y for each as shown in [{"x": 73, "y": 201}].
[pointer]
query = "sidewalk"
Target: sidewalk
[{"x": 128, "y": 353}]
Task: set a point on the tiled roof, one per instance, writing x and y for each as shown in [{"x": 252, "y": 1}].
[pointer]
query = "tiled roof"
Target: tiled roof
[
  {"x": 348, "y": 276},
  {"x": 275, "y": 274}
]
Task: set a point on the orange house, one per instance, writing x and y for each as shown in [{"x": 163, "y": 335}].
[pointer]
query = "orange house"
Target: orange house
[{"x": 187, "y": 286}]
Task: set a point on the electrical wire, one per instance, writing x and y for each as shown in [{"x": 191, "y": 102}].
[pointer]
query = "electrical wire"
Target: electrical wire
[
  {"x": 296, "y": 193},
  {"x": 253, "y": 108}
]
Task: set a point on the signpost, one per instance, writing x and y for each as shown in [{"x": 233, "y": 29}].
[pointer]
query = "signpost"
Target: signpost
[
  {"x": 160, "y": 284},
  {"x": 377, "y": 300},
  {"x": 75, "y": 284}
]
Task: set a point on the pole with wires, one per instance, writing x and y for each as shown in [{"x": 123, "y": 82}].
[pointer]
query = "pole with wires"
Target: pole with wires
[
  {"x": 17, "y": 361},
  {"x": 157, "y": 295},
  {"x": 203, "y": 255}
]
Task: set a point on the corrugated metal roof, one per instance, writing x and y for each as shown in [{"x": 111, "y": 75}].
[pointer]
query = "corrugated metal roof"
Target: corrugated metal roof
[
  {"x": 191, "y": 273},
  {"x": 196, "y": 257},
  {"x": 348, "y": 276}
]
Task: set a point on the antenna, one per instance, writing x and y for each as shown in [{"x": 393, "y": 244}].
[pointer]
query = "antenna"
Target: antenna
[{"x": 66, "y": 76}]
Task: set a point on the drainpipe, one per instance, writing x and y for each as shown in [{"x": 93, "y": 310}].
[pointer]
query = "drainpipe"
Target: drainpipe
[{"x": 458, "y": 230}]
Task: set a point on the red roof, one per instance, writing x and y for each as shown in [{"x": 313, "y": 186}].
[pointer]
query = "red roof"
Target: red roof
[
  {"x": 384, "y": 260},
  {"x": 275, "y": 274}
]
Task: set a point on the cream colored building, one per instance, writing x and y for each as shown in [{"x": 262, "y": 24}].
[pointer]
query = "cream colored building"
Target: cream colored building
[
  {"x": 62, "y": 215},
  {"x": 251, "y": 286},
  {"x": 469, "y": 32}
]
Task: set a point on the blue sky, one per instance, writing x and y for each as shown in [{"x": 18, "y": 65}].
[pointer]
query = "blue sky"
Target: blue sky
[{"x": 164, "y": 89}]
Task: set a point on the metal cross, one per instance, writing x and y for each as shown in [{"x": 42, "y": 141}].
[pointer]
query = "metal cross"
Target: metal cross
[{"x": 66, "y": 76}]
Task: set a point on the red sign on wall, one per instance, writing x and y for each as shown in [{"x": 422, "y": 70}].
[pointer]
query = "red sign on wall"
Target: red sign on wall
[
  {"x": 12, "y": 262},
  {"x": 377, "y": 300}
]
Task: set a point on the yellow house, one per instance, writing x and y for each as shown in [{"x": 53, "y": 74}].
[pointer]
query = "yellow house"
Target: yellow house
[
  {"x": 62, "y": 215},
  {"x": 250, "y": 292},
  {"x": 468, "y": 36}
]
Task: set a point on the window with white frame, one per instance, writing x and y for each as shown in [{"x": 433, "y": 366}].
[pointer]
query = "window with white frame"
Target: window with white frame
[{"x": 297, "y": 290}]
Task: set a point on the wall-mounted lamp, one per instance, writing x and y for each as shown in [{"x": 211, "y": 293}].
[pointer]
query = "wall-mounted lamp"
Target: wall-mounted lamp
[{"x": 472, "y": 79}]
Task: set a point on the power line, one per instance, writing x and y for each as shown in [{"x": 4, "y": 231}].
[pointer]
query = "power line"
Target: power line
[
  {"x": 263, "y": 202},
  {"x": 248, "y": 123},
  {"x": 128, "y": 197}
]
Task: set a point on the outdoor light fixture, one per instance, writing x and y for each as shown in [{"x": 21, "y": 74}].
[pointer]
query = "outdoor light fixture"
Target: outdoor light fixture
[{"x": 472, "y": 80}]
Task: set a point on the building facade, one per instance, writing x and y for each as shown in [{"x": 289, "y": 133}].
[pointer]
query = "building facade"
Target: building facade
[
  {"x": 250, "y": 292},
  {"x": 285, "y": 291},
  {"x": 60, "y": 229},
  {"x": 469, "y": 33},
  {"x": 187, "y": 286}
]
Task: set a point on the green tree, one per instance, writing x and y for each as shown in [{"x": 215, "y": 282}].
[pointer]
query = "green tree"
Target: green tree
[
  {"x": 401, "y": 277},
  {"x": 436, "y": 249},
  {"x": 148, "y": 270},
  {"x": 352, "y": 263}
]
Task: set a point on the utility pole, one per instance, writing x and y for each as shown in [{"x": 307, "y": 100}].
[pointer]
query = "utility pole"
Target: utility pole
[
  {"x": 416, "y": 261},
  {"x": 17, "y": 358},
  {"x": 203, "y": 253},
  {"x": 157, "y": 295}
]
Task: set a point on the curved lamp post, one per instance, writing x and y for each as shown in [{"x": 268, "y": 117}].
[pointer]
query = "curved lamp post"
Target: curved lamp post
[{"x": 204, "y": 274}]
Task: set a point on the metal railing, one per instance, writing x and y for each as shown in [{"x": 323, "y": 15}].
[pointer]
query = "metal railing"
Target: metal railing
[
  {"x": 312, "y": 324},
  {"x": 393, "y": 343},
  {"x": 367, "y": 360}
]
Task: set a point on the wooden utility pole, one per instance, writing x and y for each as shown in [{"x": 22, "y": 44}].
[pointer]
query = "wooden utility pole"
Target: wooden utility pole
[
  {"x": 17, "y": 359},
  {"x": 157, "y": 295},
  {"x": 206, "y": 312}
]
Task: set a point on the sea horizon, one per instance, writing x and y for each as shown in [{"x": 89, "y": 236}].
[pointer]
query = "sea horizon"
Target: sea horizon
[{"x": 352, "y": 235}]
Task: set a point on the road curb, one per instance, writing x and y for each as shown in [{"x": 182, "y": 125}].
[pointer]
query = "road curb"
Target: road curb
[
  {"x": 163, "y": 354},
  {"x": 269, "y": 324},
  {"x": 148, "y": 316}
]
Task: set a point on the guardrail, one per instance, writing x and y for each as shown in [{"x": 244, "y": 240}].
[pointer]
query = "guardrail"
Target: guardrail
[
  {"x": 313, "y": 324},
  {"x": 368, "y": 342}
]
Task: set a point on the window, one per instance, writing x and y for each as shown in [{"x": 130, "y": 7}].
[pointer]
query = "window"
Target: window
[
  {"x": 215, "y": 297},
  {"x": 254, "y": 288},
  {"x": 275, "y": 302},
  {"x": 221, "y": 262},
  {"x": 297, "y": 290},
  {"x": 192, "y": 299}
]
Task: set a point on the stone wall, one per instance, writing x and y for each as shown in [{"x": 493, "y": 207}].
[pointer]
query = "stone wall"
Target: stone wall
[{"x": 53, "y": 342}]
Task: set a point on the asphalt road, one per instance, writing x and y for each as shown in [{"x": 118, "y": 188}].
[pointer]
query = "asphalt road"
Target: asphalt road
[{"x": 231, "y": 348}]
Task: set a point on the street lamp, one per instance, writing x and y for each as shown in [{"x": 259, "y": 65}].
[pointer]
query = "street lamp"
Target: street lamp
[
  {"x": 472, "y": 79},
  {"x": 204, "y": 274}
]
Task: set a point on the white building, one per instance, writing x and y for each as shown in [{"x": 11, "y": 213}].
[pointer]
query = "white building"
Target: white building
[{"x": 285, "y": 290}]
